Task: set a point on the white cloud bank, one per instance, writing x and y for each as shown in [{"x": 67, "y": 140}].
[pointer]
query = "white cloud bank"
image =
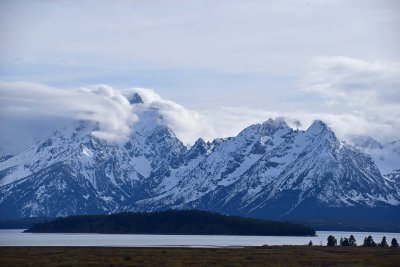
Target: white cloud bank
[
  {"x": 353, "y": 96},
  {"x": 187, "y": 124},
  {"x": 356, "y": 97},
  {"x": 365, "y": 95},
  {"x": 29, "y": 112}
]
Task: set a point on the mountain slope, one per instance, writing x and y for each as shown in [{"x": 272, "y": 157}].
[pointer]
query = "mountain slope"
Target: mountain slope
[
  {"x": 76, "y": 166},
  {"x": 268, "y": 170}
]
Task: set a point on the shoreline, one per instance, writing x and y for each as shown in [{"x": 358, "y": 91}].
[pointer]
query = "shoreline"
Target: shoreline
[{"x": 17, "y": 238}]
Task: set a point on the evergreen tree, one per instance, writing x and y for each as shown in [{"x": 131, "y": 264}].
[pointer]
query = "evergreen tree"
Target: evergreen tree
[
  {"x": 383, "y": 243},
  {"x": 331, "y": 241},
  {"x": 369, "y": 242},
  {"x": 394, "y": 243},
  {"x": 352, "y": 241},
  {"x": 344, "y": 242},
  {"x": 310, "y": 244}
]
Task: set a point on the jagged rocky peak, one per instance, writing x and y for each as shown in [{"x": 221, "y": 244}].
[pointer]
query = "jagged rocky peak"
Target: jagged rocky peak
[
  {"x": 271, "y": 126},
  {"x": 199, "y": 144},
  {"x": 320, "y": 133},
  {"x": 135, "y": 99},
  {"x": 319, "y": 127},
  {"x": 267, "y": 128},
  {"x": 200, "y": 147}
]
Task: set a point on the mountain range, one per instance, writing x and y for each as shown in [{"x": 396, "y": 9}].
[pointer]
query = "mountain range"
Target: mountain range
[{"x": 268, "y": 170}]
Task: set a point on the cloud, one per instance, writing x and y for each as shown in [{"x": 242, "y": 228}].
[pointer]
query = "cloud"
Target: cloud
[
  {"x": 343, "y": 77},
  {"x": 237, "y": 36},
  {"x": 148, "y": 96},
  {"x": 353, "y": 96},
  {"x": 29, "y": 112},
  {"x": 246, "y": 55},
  {"x": 364, "y": 94},
  {"x": 187, "y": 124}
]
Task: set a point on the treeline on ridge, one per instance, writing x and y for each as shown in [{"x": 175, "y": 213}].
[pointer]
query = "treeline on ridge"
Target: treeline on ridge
[{"x": 188, "y": 222}]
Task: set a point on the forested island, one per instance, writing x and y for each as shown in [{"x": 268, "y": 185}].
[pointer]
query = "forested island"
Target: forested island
[{"x": 185, "y": 222}]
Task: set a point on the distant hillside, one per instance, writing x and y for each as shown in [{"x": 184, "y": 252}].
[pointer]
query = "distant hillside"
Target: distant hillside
[{"x": 189, "y": 222}]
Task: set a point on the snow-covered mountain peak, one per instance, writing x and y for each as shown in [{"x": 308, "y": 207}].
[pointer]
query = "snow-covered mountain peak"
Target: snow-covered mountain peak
[
  {"x": 319, "y": 128},
  {"x": 199, "y": 143},
  {"x": 135, "y": 99},
  {"x": 200, "y": 147},
  {"x": 271, "y": 126},
  {"x": 265, "y": 131}
]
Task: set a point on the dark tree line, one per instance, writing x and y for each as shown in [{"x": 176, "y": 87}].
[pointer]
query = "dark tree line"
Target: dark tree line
[
  {"x": 368, "y": 242},
  {"x": 188, "y": 222},
  {"x": 348, "y": 242}
]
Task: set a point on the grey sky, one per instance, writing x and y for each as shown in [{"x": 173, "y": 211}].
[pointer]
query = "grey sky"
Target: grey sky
[{"x": 259, "y": 57}]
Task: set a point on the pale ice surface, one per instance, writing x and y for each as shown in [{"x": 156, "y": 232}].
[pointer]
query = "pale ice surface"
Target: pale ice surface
[{"x": 16, "y": 237}]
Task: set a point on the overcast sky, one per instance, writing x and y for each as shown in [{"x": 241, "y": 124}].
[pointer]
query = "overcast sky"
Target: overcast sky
[{"x": 232, "y": 62}]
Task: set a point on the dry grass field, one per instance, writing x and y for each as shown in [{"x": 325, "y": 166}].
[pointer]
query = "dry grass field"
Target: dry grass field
[{"x": 260, "y": 256}]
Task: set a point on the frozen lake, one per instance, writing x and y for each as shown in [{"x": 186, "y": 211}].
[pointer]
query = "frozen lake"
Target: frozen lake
[{"x": 16, "y": 237}]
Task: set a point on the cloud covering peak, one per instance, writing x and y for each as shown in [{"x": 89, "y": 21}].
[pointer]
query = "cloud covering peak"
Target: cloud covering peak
[
  {"x": 30, "y": 112},
  {"x": 187, "y": 124},
  {"x": 353, "y": 96}
]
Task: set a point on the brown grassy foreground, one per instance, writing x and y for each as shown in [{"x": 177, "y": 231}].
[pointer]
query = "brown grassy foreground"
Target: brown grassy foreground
[{"x": 265, "y": 256}]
